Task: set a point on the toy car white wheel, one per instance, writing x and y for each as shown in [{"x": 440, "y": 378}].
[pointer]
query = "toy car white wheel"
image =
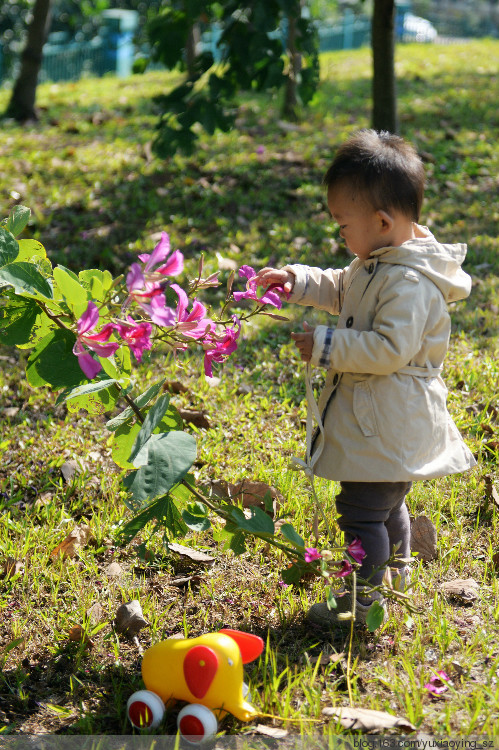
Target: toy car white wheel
[
  {"x": 145, "y": 709},
  {"x": 197, "y": 724}
]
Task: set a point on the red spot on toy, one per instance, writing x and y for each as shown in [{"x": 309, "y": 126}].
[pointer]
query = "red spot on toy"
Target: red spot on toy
[{"x": 200, "y": 668}]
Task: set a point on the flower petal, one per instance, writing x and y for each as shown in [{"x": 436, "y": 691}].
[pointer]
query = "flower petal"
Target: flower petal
[{"x": 89, "y": 319}]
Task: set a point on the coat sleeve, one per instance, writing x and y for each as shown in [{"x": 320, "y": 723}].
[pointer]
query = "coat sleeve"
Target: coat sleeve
[
  {"x": 323, "y": 290},
  {"x": 400, "y": 323}
]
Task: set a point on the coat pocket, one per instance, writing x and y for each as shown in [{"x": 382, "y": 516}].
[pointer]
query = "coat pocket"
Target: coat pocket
[{"x": 363, "y": 409}]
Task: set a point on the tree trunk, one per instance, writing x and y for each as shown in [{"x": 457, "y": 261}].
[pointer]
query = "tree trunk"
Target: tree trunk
[
  {"x": 384, "y": 115},
  {"x": 290, "y": 106},
  {"x": 190, "y": 49},
  {"x": 22, "y": 102}
]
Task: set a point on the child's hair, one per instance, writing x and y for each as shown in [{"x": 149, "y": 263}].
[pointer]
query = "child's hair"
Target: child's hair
[{"x": 384, "y": 168}]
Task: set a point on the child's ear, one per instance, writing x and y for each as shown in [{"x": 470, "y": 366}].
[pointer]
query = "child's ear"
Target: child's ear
[{"x": 386, "y": 221}]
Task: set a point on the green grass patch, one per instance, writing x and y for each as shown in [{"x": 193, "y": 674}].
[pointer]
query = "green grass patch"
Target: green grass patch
[{"x": 98, "y": 198}]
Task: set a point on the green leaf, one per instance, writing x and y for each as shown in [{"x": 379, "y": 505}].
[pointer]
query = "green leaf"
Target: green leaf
[
  {"x": 238, "y": 543},
  {"x": 151, "y": 422},
  {"x": 9, "y": 247},
  {"x": 258, "y": 522},
  {"x": 375, "y": 616},
  {"x": 330, "y": 600},
  {"x": 17, "y": 319},
  {"x": 52, "y": 362},
  {"x": 169, "y": 459},
  {"x": 291, "y": 535},
  {"x": 18, "y": 220},
  {"x": 32, "y": 251},
  {"x": 95, "y": 398},
  {"x": 119, "y": 366},
  {"x": 141, "y": 401},
  {"x": 292, "y": 574},
  {"x": 126, "y": 435},
  {"x": 196, "y": 516},
  {"x": 26, "y": 280},
  {"x": 127, "y": 532},
  {"x": 73, "y": 293}
]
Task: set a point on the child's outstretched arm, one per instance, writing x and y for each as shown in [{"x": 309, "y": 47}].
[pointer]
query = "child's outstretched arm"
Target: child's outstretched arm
[{"x": 268, "y": 276}]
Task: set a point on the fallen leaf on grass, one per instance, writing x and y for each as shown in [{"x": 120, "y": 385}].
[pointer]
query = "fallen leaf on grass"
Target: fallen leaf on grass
[
  {"x": 129, "y": 619},
  {"x": 183, "y": 582},
  {"x": 77, "y": 634},
  {"x": 495, "y": 560},
  {"x": 12, "y": 567},
  {"x": 68, "y": 470},
  {"x": 250, "y": 494},
  {"x": 113, "y": 570},
  {"x": 367, "y": 719},
  {"x": 69, "y": 546},
  {"x": 195, "y": 417},
  {"x": 491, "y": 493},
  {"x": 424, "y": 538},
  {"x": 175, "y": 386},
  {"x": 465, "y": 590},
  {"x": 276, "y": 732},
  {"x": 95, "y": 613},
  {"x": 192, "y": 554}
]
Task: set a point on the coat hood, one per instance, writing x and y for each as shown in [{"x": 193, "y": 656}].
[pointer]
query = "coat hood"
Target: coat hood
[{"x": 440, "y": 263}]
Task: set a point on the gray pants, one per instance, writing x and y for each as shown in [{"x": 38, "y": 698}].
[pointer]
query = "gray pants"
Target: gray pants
[{"x": 376, "y": 512}]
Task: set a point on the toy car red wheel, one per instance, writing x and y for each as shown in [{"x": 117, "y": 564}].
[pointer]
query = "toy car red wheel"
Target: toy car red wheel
[
  {"x": 145, "y": 709},
  {"x": 197, "y": 724}
]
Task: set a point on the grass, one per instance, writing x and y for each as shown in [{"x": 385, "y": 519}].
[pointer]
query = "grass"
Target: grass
[{"x": 98, "y": 196}]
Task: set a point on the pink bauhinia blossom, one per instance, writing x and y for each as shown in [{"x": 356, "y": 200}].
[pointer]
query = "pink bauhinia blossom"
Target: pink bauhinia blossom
[
  {"x": 311, "y": 554},
  {"x": 436, "y": 686},
  {"x": 356, "y": 550},
  {"x": 146, "y": 284},
  {"x": 218, "y": 348},
  {"x": 271, "y": 296},
  {"x": 345, "y": 569},
  {"x": 136, "y": 335},
  {"x": 194, "y": 323},
  {"x": 96, "y": 342}
]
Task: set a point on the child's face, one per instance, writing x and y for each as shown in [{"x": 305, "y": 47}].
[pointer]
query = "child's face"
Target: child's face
[{"x": 360, "y": 225}]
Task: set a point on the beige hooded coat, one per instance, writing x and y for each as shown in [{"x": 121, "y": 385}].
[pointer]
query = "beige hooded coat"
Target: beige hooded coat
[{"x": 383, "y": 406}]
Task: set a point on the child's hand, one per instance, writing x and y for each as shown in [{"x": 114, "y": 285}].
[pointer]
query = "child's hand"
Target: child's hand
[
  {"x": 305, "y": 342},
  {"x": 268, "y": 276}
]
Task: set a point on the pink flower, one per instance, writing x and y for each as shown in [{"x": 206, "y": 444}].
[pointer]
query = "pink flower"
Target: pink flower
[
  {"x": 95, "y": 342},
  {"x": 436, "y": 685},
  {"x": 311, "y": 554},
  {"x": 173, "y": 266},
  {"x": 345, "y": 569},
  {"x": 146, "y": 284},
  {"x": 136, "y": 335},
  {"x": 356, "y": 550},
  {"x": 194, "y": 323},
  {"x": 271, "y": 296},
  {"x": 217, "y": 349}
]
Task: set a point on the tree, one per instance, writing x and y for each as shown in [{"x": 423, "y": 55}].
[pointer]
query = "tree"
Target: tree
[
  {"x": 265, "y": 45},
  {"x": 384, "y": 90},
  {"x": 22, "y": 102}
]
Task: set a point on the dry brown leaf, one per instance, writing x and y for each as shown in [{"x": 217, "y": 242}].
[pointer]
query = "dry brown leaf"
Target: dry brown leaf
[
  {"x": 11, "y": 567},
  {"x": 113, "y": 570},
  {"x": 495, "y": 560},
  {"x": 68, "y": 470},
  {"x": 367, "y": 719},
  {"x": 424, "y": 538},
  {"x": 465, "y": 590},
  {"x": 129, "y": 619},
  {"x": 276, "y": 732},
  {"x": 195, "y": 417},
  {"x": 192, "y": 554},
  {"x": 175, "y": 386},
  {"x": 95, "y": 613},
  {"x": 249, "y": 494},
  {"x": 69, "y": 546},
  {"x": 78, "y": 634},
  {"x": 491, "y": 492}
]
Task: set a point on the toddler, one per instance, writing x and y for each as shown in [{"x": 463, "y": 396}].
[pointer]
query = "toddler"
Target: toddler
[{"x": 383, "y": 407}]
